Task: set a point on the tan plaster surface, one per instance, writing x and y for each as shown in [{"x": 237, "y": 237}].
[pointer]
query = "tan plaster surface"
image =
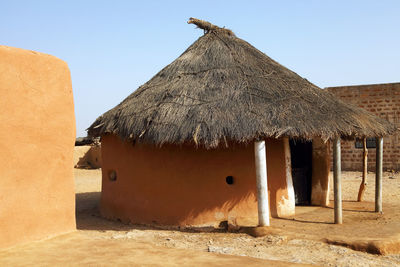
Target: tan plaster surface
[
  {"x": 87, "y": 157},
  {"x": 37, "y": 136},
  {"x": 177, "y": 185},
  {"x": 184, "y": 186},
  {"x": 320, "y": 173}
]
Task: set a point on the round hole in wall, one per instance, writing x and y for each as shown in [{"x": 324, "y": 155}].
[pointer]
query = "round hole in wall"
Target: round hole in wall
[
  {"x": 229, "y": 180},
  {"x": 112, "y": 175}
]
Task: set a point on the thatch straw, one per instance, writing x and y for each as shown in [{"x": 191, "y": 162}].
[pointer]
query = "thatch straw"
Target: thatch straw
[
  {"x": 222, "y": 88},
  {"x": 207, "y": 26}
]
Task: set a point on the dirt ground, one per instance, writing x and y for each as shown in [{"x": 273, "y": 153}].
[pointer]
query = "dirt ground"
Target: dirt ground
[{"x": 299, "y": 241}]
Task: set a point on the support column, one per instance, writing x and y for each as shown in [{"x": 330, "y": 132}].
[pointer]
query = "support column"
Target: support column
[
  {"x": 363, "y": 184},
  {"x": 378, "y": 173},
  {"x": 289, "y": 204},
  {"x": 337, "y": 186},
  {"x": 262, "y": 185}
]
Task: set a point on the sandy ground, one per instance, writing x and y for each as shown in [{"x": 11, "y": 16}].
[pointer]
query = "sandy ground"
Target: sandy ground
[{"x": 299, "y": 241}]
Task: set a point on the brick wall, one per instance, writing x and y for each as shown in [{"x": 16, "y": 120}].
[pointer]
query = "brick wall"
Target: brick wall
[{"x": 384, "y": 101}]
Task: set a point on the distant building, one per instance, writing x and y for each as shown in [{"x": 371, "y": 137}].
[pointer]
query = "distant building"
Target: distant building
[{"x": 382, "y": 100}]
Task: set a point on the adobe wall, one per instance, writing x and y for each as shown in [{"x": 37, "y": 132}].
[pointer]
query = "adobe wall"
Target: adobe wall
[
  {"x": 384, "y": 101},
  {"x": 185, "y": 186},
  {"x": 37, "y": 135},
  {"x": 87, "y": 157},
  {"x": 320, "y": 172}
]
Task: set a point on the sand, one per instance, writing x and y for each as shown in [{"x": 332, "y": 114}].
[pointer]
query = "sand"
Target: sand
[{"x": 300, "y": 241}]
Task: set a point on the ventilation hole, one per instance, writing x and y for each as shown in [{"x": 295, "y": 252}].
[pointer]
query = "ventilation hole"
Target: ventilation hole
[
  {"x": 229, "y": 180},
  {"x": 112, "y": 175}
]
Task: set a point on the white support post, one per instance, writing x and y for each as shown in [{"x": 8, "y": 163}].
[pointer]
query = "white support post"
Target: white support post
[
  {"x": 290, "y": 203},
  {"x": 337, "y": 186},
  {"x": 262, "y": 185},
  {"x": 378, "y": 173}
]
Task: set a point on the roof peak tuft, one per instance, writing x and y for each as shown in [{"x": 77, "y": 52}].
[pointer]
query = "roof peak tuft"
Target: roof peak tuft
[{"x": 209, "y": 27}]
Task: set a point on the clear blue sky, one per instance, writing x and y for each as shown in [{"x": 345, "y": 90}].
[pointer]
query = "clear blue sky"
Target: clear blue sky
[{"x": 112, "y": 47}]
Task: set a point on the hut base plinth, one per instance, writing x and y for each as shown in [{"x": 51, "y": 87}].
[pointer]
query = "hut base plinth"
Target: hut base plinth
[{"x": 260, "y": 231}]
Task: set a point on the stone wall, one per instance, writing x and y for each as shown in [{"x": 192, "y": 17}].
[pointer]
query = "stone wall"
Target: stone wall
[{"x": 384, "y": 101}]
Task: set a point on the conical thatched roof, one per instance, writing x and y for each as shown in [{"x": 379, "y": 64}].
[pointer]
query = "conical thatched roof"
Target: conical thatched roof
[{"x": 223, "y": 89}]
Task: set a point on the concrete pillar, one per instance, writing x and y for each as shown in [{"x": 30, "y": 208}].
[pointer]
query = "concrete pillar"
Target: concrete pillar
[
  {"x": 337, "y": 186},
  {"x": 262, "y": 188},
  {"x": 289, "y": 205},
  {"x": 378, "y": 177}
]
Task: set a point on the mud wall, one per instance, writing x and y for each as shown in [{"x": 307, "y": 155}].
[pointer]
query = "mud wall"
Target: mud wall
[
  {"x": 186, "y": 186},
  {"x": 37, "y": 136},
  {"x": 87, "y": 157},
  {"x": 320, "y": 172},
  {"x": 280, "y": 185}
]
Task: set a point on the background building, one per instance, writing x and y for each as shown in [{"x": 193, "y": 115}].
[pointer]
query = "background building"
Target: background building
[{"x": 382, "y": 100}]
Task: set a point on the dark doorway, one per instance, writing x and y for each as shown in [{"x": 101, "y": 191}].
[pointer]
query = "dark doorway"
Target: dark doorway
[{"x": 301, "y": 154}]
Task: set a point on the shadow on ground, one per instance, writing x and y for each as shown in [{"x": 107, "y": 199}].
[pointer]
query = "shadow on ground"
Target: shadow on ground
[{"x": 88, "y": 217}]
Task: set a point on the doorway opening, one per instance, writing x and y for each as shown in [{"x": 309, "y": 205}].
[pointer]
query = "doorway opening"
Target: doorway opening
[{"x": 301, "y": 159}]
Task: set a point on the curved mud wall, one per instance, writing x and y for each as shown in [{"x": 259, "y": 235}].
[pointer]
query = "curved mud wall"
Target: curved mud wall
[
  {"x": 87, "y": 157},
  {"x": 186, "y": 186},
  {"x": 37, "y": 136}
]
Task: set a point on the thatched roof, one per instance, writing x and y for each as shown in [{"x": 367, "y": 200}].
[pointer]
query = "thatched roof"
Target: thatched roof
[{"x": 223, "y": 89}]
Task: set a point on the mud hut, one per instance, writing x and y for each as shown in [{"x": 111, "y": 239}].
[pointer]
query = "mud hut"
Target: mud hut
[{"x": 196, "y": 143}]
